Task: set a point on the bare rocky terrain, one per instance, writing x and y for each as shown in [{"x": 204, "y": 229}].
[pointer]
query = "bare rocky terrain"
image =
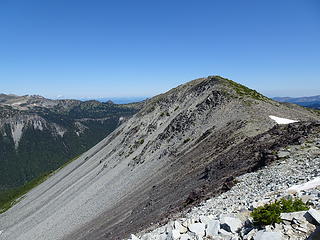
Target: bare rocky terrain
[
  {"x": 182, "y": 147},
  {"x": 294, "y": 173}
]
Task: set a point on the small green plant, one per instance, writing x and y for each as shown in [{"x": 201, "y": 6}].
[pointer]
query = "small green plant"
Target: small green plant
[
  {"x": 270, "y": 213},
  {"x": 293, "y": 205}
]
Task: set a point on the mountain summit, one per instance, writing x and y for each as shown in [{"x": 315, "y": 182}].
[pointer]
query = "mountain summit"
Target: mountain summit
[{"x": 182, "y": 146}]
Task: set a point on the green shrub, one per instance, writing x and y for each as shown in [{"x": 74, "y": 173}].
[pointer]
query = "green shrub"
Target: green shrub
[
  {"x": 293, "y": 205},
  {"x": 270, "y": 213}
]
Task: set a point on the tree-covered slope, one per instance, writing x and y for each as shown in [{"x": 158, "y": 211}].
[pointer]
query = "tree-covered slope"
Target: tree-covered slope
[{"x": 39, "y": 135}]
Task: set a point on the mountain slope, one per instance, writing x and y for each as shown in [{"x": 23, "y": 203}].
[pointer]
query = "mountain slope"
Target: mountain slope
[
  {"x": 182, "y": 146},
  {"x": 38, "y": 135}
]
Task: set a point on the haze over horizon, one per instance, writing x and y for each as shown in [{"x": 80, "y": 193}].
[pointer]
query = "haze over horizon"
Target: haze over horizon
[{"x": 98, "y": 49}]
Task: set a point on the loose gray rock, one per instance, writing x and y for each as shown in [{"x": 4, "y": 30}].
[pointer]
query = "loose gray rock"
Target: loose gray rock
[
  {"x": 178, "y": 226},
  {"x": 185, "y": 237},
  {"x": 293, "y": 215},
  {"x": 315, "y": 214},
  {"x": 175, "y": 234},
  {"x": 225, "y": 234},
  {"x": 198, "y": 229},
  {"x": 231, "y": 224},
  {"x": 213, "y": 228},
  {"x": 262, "y": 235},
  {"x": 205, "y": 219},
  {"x": 133, "y": 237}
]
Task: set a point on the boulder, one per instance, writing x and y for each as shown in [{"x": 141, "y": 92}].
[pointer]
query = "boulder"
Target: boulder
[
  {"x": 250, "y": 234},
  {"x": 231, "y": 224},
  {"x": 175, "y": 234},
  {"x": 134, "y": 237},
  {"x": 263, "y": 235},
  {"x": 213, "y": 228},
  {"x": 293, "y": 215},
  {"x": 185, "y": 237},
  {"x": 315, "y": 215},
  {"x": 225, "y": 234},
  {"x": 178, "y": 226},
  {"x": 198, "y": 229},
  {"x": 205, "y": 219}
]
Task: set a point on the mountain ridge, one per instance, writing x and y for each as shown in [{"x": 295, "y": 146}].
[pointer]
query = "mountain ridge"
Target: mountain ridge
[
  {"x": 161, "y": 158},
  {"x": 311, "y": 102}
]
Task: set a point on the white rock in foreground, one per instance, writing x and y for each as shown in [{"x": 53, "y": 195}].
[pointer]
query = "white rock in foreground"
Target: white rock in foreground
[
  {"x": 179, "y": 227},
  {"x": 213, "y": 228},
  {"x": 282, "y": 120},
  {"x": 198, "y": 229},
  {"x": 133, "y": 237},
  {"x": 262, "y": 235},
  {"x": 231, "y": 224},
  {"x": 305, "y": 186},
  {"x": 315, "y": 214}
]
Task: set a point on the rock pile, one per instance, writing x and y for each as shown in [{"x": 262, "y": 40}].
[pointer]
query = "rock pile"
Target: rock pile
[{"x": 228, "y": 216}]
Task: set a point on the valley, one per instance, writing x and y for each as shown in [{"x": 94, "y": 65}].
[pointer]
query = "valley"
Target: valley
[{"x": 39, "y": 135}]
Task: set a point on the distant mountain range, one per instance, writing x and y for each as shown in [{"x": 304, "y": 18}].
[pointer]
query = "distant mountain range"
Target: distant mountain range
[
  {"x": 120, "y": 100},
  {"x": 312, "y": 102},
  {"x": 38, "y": 135}
]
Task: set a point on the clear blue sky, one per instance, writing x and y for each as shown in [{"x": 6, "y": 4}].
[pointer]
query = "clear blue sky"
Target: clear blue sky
[{"x": 100, "y": 48}]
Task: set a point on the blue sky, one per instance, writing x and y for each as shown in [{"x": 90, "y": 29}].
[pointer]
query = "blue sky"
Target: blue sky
[{"x": 97, "y": 48}]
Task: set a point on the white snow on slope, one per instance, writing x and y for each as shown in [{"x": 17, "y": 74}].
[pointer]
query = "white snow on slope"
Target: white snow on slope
[
  {"x": 282, "y": 120},
  {"x": 305, "y": 186}
]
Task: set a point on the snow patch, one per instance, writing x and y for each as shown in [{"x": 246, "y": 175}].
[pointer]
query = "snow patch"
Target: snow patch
[
  {"x": 305, "y": 186},
  {"x": 282, "y": 120}
]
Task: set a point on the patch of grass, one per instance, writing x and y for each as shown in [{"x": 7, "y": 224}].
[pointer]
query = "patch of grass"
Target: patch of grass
[
  {"x": 270, "y": 213},
  {"x": 244, "y": 91},
  {"x": 9, "y": 197}
]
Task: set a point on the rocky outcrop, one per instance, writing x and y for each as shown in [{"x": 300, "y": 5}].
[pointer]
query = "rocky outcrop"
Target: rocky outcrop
[{"x": 228, "y": 216}]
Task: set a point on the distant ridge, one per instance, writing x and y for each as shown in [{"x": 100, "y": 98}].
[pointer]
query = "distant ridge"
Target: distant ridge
[
  {"x": 38, "y": 135},
  {"x": 312, "y": 101}
]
